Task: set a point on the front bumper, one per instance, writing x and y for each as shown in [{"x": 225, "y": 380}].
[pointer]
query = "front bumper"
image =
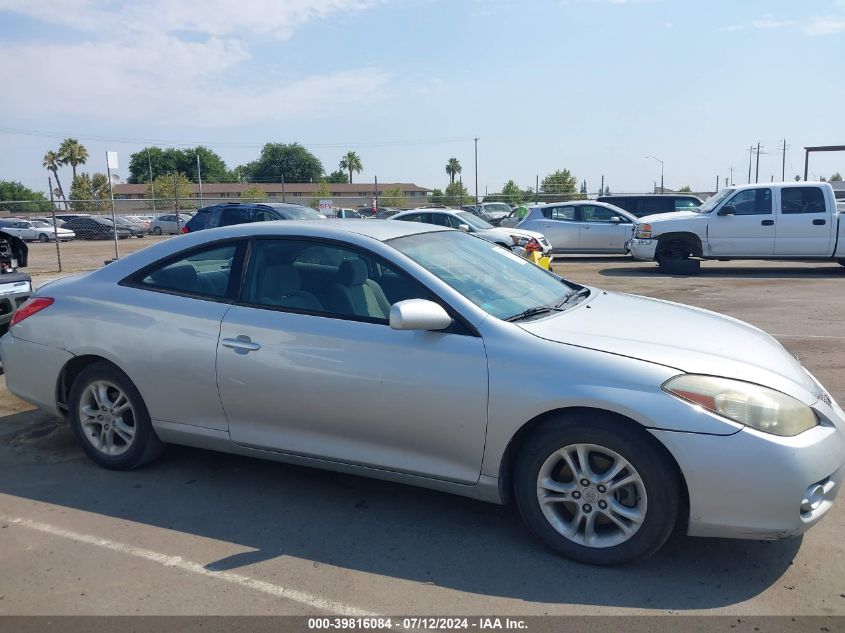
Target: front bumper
[
  {"x": 752, "y": 484},
  {"x": 642, "y": 249}
]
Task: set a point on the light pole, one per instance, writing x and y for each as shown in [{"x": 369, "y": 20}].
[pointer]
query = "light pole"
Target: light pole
[{"x": 662, "y": 188}]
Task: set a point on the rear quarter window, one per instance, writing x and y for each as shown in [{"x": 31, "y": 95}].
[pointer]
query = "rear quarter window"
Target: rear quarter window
[{"x": 802, "y": 200}]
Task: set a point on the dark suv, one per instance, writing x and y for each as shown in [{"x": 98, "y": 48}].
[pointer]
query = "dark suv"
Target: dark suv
[
  {"x": 238, "y": 213},
  {"x": 649, "y": 204}
]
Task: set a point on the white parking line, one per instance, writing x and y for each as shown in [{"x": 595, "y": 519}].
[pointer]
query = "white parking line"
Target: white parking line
[
  {"x": 178, "y": 562},
  {"x": 806, "y": 336}
]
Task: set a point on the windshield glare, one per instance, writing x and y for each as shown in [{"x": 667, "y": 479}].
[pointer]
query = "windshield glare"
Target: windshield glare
[
  {"x": 712, "y": 202},
  {"x": 474, "y": 221},
  {"x": 493, "y": 278},
  {"x": 302, "y": 213},
  {"x": 497, "y": 206}
]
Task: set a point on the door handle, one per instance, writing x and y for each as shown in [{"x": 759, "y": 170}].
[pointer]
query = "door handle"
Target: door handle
[
  {"x": 586, "y": 228},
  {"x": 819, "y": 222},
  {"x": 547, "y": 226},
  {"x": 240, "y": 343},
  {"x": 767, "y": 222}
]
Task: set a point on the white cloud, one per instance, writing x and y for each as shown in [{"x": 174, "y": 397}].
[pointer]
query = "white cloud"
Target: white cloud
[
  {"x": 768, "y": 21},
  {"x": 824, "y": 25},
  {"x": 174, "y": 62}
]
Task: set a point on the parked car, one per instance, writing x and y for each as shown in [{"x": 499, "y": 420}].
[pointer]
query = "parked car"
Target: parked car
[
  {"x": 477, "y": 212},
  {"x": 34, "y": 230},
  {"x": 244, "y": 213},
  {"x": 469, "y": 223},
  {"x": 48, "y": 220},
  {"x": 452, "y": 365},
  {"x": 346, "y": 214},
  {"x": 96, "y": 228},
  {"x": 582, "y": 226},
  {"x": 64, "y": 217},
  {"x": 790, "y": 220},
  {"x": 494, "y": 212},
  {"x": 169, "y": 224},
  {"x": 142, "y": 220},
  {"x": 15, "y": 286},
  {"x": 516, "y": 216},
  {"x": 136, "y": 229},
  {"x": 642, "y": 205},
  {"x": 367, "y": 212}
]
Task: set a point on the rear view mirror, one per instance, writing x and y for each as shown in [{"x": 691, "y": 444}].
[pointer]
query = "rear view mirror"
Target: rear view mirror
[
  {"x": 464, "y": 228},
  {"x": 728, "y": 209},
  {"x": 418, "y": 314}
]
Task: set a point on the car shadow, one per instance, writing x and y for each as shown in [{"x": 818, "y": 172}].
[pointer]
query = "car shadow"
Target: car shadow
[
  {"x": 276, "y": 510},
  {"x": 714, "y": 272}
]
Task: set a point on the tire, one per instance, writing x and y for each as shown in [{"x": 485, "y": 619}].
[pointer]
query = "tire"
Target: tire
[
  {"x": 156, "y": 230},
  {"x": 43, "y": 237},
  {"x": 117, "y": 448},
  {"x": 655, "y": 493},
  {"x": 673, "y": 266}
]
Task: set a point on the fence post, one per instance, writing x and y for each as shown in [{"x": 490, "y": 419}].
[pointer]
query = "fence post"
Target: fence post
[{"x": 55, "y": 228}]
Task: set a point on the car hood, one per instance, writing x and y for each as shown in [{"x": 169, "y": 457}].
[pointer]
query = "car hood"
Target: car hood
[
  {"x": 683, "y": 337},
  {"x": 506, "y": 232},
  {"x": 668, "y": 217}
]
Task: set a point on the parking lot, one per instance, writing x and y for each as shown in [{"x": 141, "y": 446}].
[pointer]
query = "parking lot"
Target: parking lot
[{"x": 202, "y": 532}]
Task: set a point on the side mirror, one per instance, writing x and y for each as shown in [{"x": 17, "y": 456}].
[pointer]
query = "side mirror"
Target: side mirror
[
  {"x": 464, "y": 228},
  {"x": 615, "y": 219},
  {"x": 418, "y": 314},
  {"x": 728, "y": 209}
]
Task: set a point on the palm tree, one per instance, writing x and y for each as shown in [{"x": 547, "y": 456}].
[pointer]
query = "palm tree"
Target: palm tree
[
  {"x": 73, "y": 153},
  {"x": 351, "y": 162},
  {"x": 52, "y": 161},
  {"x": 453, "y": 168}
]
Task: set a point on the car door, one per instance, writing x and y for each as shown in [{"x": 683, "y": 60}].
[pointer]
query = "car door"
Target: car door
[
  {"x": 598, "y": 233},
  {"x": 804, "y": 225},
  {"x": 560, "y": 226},
  {"x": 749, "y": 230},
  {"x": 302, "y": 372}
]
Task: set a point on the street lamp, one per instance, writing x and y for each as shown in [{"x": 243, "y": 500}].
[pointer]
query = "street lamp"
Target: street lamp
[{"x": 662, "y": 188}]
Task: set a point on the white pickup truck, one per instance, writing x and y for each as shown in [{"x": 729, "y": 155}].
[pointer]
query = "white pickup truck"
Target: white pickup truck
[{"x": 783, "y": 221}]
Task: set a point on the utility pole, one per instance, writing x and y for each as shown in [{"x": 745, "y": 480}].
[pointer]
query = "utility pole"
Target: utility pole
[
  {"x": 176, "y": 206},
  {"x": 111, "y": 196},
  {"x": 750, "y": 152},
  {"x": 199, "y": 176},
  {"x": 717, "y": 182},
  {"x": 783, "y": 161},
  {"x": 732, "y": 177},
  {"x": 662, "y": 188},
  {"x": 537, "y": 189},
  {"x": 476, "y": 171},
  {"x": 601, "y": 189},
  {"x": 55, "y": 228},
  {"x": 757, "y": 172},
  {"x": 152, "y": 185},
  {"x": 375, "y": 197}
]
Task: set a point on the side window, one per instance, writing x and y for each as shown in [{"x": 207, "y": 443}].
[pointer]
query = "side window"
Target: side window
[
  {"x": 801, "y": 200},
  {"x": 265, "y": 216},
  {"x": 324, "y": 278},
  {"x": 415, "y": 217},
  {"x": 440, "y": 219},
  {"x": 753, "y": 202},
  {"x": 562, "y": 213},
  {"x": 592, "y": 213},
  {"x": 237, "y": 215},
  {"x": 205, "y": 272}
]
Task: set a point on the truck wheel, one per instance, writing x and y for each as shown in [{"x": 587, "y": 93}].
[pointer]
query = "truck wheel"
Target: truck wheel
[{"x": 673, "y": 266}]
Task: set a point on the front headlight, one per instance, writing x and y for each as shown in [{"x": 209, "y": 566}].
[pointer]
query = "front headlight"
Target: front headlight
[
  {"x": 752, "y": 405},
  {"x": 643, "y": 231}
]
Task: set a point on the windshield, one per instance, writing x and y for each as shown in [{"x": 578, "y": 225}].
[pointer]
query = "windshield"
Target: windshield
[
  {"x": 473, "y": 220},
  {"x": 493, "y": 278},
  {"x": 39, "y": 224},
  {"x": 712, "y": 202},
  {"x": 497, "y": 207},
  {"x": 301, "y": 213}
]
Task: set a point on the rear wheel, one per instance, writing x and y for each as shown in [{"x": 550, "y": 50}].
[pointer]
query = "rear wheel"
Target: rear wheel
[
  {"x": 597, "y": 490},
  {"x": 156, "y": 230},
  {"x": 43, "y": 237},
  {"x": 111, "y": 420}
]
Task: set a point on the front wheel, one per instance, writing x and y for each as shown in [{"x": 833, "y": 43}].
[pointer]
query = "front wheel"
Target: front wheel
[
  {"x": 110, "y": 419},
  {"x": 43, "y": 237},
  {"x": 597, "y": 490},
  {"x": 156, "y": 230}
]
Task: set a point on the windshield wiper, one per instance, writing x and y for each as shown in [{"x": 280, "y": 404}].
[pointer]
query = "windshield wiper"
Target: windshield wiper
[
  {"x": 575, "y": 294},
  {"x": 530, "y": 312}
]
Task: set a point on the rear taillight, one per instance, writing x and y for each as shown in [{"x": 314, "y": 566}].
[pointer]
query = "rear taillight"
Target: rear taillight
[
  {"x": 185, "y": 229},
  {"x": 30, "y": 307},
  {"x": 533, "y": 246}
]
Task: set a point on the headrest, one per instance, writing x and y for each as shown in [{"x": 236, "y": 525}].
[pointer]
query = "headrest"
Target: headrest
[
  {"x": 353, "y": 272},
  {"x": 183, "y": 276},
  {"x": 279, "y": 281}
]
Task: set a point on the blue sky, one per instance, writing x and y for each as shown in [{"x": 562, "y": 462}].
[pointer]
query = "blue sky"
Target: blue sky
[{"x": 589, "y": 85}]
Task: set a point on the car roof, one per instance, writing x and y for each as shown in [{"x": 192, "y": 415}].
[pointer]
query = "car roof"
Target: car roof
[{"x": 649, "y": 195}]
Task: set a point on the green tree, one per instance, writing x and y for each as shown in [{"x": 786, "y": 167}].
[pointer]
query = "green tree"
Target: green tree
[
  {"x": 583, "y": 186},
  {"x": 27, "y": 199},
  {"x": 323, "y": 193},
  {"x": 453, "y": 168},
  {"x": 437, "y": 197},
  {"x": 73, "y": 153},
  {"x": 169, "y": 160},
  {"x": 511, "y": 192},
  {"x": 394, "y": 197},
  {"x": 165, "y": 186},
  {"x": 685, "y": 189},
  {"x": 337, "y": 176},
  {"x": 351, "y": 162},
  {"x": 456, "y": 194},
  {"x": 561, "y": 181},
  {"x": 253, "y": 193},
  {"x": 51, "y": 162},
  {"x": 292, "y": 161},
  {"x": 837, "y": 177},
  {"x": 90, "y": 193}
]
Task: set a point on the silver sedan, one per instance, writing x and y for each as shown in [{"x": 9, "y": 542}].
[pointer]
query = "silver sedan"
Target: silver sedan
[
  {"x": 419, "y": 354},
  {"x": 581, "y": 226}
]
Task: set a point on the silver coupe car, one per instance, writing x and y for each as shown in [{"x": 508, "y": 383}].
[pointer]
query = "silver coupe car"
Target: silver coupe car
[{"x": 420, "y": 354}]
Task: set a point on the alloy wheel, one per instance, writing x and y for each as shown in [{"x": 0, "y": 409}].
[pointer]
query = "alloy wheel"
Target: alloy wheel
[{"x": 107, "y": 418}]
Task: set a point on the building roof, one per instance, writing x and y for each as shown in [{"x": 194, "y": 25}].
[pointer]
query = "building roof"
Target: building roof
[{"x": 211, "y": 188}]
